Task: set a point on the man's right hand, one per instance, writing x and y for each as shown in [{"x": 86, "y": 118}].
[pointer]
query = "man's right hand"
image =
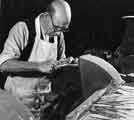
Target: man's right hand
[{"x": 47, "y": 66}]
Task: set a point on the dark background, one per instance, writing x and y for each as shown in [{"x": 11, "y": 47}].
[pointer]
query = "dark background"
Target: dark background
[{"x": 95, "y": 23}]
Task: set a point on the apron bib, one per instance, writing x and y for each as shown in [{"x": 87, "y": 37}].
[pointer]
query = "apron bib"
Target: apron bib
[{"x": 42, "y": 49}]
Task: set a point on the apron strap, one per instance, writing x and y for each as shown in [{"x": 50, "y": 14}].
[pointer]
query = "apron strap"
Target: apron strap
[{"x": 27, "y": 50}]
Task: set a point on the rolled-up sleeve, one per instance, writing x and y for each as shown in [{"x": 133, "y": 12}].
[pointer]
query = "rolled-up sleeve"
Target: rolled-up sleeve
[{"x": 15, "y": 43}]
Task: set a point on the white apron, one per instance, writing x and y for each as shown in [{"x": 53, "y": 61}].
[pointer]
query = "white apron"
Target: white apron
[{"x": 42, "y": 51}]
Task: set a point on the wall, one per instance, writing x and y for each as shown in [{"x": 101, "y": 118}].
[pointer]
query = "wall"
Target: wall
[{"x": 99, "y": 22}]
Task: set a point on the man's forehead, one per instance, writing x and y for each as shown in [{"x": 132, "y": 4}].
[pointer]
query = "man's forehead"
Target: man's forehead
[{"x": 60, "y": 22}]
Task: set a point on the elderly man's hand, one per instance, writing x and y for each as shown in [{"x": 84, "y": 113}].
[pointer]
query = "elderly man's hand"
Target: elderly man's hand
[
  {"x": 47, "y": 66},
  {"x": 72, "y": 60},
  {"x": 69, "y": 60},
  {"x": 52, "y": 65}
]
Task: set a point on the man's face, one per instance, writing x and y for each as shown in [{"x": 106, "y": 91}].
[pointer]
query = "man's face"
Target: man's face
[{"x": 57, "y": 27}]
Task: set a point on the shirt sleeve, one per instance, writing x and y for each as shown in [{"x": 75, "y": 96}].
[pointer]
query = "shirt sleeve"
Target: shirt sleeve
[
  {"x": 61, "y": 47},
  {"x": 15, "y": 43}
]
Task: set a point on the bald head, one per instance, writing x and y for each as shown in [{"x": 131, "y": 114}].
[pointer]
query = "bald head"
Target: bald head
[{"x": 60, "y": 12}]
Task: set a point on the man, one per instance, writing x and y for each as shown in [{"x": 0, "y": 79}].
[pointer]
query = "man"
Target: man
[{"x": 25, "y": 76}]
